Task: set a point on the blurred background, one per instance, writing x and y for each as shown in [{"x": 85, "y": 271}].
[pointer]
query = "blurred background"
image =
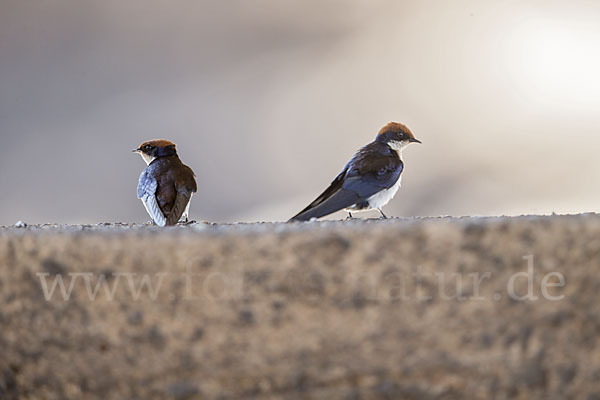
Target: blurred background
[{"x": 268, "y": 99}]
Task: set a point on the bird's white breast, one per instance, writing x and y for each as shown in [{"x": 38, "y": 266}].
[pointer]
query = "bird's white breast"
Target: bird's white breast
[{"x": 382, "y": 198}]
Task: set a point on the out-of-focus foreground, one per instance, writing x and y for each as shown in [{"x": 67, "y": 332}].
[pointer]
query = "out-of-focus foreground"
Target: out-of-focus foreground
[{"x": 360, "y": 310}]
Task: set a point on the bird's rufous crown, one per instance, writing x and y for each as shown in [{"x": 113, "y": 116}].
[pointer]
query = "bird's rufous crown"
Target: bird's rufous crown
[
  {"x": 396, "y": 127},
  {"x": 157, "y": 143}
]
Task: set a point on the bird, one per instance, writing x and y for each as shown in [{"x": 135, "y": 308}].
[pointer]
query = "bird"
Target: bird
[
  {"x": 369, "y": 180},
  {"x": 166, "y": 185}
]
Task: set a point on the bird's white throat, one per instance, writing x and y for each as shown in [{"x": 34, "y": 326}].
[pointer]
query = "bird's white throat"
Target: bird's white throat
[
  {"x": 147, "y": 158},
  {"x": 398, "y": 145}
]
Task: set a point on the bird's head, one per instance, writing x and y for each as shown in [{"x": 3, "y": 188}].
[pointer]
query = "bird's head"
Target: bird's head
[
  {"x": 153, "y": 149},
  {"x": 396, "y": 135}
]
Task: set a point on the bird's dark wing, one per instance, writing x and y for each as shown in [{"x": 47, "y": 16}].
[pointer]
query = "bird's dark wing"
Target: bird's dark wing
[
  {"x": 146, "y": 191},
  {"x": 373, "y": 168},
  {"x": 185, "y": 185},
  {"x": 179, "y": 206},
  {"x": 333, "y": 199},
  {"x": 188, "y": 180}
]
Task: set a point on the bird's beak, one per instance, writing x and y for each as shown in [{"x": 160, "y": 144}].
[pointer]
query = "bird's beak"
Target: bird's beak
[
  {"x": 135, "y": 150},
  {"x": 413, "y": 140}
]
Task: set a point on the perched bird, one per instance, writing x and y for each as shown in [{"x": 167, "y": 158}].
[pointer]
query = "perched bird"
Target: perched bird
[
  {"x": 166, "y": 185},
  {"x": 369, "y": 180}
]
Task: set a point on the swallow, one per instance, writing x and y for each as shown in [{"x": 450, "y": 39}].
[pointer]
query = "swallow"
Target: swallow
[
  {"x": 166, "y": 186},
  {"x": 369, "y": 180}
]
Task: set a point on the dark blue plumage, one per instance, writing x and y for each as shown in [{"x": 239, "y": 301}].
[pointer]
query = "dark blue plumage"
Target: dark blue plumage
[{"x": 369, "y": 180}]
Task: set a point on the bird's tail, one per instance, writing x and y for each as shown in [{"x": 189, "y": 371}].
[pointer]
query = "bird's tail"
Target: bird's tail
[{"x": 336, "y": 202}]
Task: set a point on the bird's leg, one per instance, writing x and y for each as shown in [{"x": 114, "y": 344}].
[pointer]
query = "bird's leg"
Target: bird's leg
[
  {"x": 350, "y": 217},
  {"x": 383, "y": 216},
  {"x": 186, "y": 221}
]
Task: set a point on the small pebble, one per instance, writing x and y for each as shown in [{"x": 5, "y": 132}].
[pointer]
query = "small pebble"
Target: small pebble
[{"x": 20, "y": 224}]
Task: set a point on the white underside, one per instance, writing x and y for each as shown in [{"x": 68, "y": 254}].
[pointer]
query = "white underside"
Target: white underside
[
  {"x": 186, "y": 214},
  {"x": 380, "y": 199}
]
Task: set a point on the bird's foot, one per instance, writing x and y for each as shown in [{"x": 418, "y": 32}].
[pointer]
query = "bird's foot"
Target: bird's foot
[
  {"x": 186, "y": 222},
  {"x": 383, "y": 216},
  {"x": 350, "y": 217}
]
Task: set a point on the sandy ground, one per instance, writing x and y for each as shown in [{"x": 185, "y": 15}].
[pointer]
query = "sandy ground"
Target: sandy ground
[{"x": 396, "y": 309}]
